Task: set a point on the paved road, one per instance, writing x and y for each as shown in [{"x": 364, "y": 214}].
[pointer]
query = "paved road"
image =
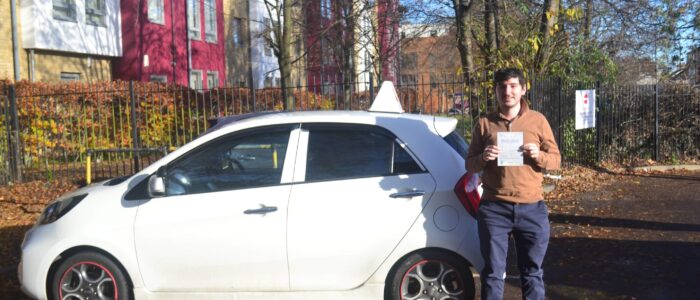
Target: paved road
[{"x": 637, "y": 238}]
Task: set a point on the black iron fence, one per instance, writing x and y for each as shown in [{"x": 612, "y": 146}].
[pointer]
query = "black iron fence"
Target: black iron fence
[{"x": 117, "y": 128}]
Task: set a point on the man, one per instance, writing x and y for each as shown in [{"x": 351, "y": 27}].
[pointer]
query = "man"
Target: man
[{"x": 512, "y": 201}]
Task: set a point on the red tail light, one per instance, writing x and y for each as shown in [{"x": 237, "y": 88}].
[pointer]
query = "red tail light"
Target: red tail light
[{"x": 467, "y": 190}]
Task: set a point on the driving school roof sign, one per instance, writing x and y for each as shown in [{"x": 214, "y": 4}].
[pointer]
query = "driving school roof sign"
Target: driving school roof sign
[{"x": 585, "y": 109}]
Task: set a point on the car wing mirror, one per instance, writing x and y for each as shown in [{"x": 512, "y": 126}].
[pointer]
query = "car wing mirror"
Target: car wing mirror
[{"x": 156, "y": 184}]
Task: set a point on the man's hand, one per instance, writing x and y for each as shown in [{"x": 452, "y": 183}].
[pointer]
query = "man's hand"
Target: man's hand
[
  {"x": 531, "y": 149},
  {"x": 490, "y": 153}
]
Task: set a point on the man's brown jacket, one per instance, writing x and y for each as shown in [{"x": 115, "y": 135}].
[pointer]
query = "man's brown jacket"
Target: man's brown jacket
[{"x": 521, "y": 184}]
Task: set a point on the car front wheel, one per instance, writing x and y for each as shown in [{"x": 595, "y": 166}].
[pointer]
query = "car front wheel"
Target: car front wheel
[
  {"x": 430, "y": 274},
  {"x": 89, "y": 275}
]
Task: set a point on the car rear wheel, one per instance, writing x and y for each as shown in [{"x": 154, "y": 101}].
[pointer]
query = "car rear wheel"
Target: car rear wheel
[
  {"x": 430, "y": 274},
  {"x": 89, "y": 275}
]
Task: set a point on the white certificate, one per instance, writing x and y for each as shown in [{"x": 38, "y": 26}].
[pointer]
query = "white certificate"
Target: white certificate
[{"x": 510, "y": 143}]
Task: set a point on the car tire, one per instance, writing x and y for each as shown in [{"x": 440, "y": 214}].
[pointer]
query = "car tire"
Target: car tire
[
  {"x": 89, "y": 275},
  {"x": 430, "y": 274}
]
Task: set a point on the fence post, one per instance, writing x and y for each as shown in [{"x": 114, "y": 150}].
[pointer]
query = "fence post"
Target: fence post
[
  {"x": 371, "y": 88},
  {"x": 560, "y": 121},
  {"x": 13, "y": 138},
  {"x": 134, "y": 129},
  {"x": 656, "y": 122},
  {"x": 255, "y": 104},
  {"x": 597, "y": 114}
]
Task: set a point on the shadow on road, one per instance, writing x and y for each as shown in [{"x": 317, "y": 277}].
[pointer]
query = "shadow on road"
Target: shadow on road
[
  {"x": 626, "y": 223},
  {"x": 610, "y": 269}
]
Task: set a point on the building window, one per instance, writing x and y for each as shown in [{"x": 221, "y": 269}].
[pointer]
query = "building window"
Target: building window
[
  {"x": 408, "y": 79},
  {"x": 196, "y": 79},
  {"x": 156, "y": 11},
  {"x": 434, "y": 80},
  {"x": 67, "y": 76},
  {"x": 194, "y": 20},
  {"x": 409, "y": 61},
  {"x": 326, "y": 8},
  {"x": 212, "y": 80},
  {"x": 268, "y": 37},
  {"x": 271, "y": 81},
  {"x": 64, "y": 10},
  {"x": 95, "y": 13},
  {"x": 159, "y": 78},
  {"x": 210, "y": 20},
  {"x": 237, "y": 32}
]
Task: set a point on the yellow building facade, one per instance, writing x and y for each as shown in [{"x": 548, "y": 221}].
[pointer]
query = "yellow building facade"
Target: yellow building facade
[{"x": 6, "y": 55}]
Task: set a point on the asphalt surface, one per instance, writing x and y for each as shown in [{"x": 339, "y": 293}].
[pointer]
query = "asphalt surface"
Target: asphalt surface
[{"x": 636, "y": 238}]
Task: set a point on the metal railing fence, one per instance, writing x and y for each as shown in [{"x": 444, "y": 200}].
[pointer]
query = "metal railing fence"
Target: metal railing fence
[{"x": 48, "y": 130}]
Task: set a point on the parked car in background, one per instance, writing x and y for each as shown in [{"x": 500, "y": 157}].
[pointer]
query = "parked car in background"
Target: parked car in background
[{"x": 285, "y": 205}]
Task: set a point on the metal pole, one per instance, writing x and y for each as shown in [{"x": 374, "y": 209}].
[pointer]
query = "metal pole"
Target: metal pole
[
  {"x": 656, "y": 122},
  {"x": 134, "y": 128},
  {"x": 371, "y": 88},
  {"x": 15, "y": 37},
  {"x": 597, "y": 121},
  {"x": 560, "y": 122},
  {"x": 15, "y": 168}
]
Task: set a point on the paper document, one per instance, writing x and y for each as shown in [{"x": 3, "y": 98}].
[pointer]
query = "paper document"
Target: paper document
[{"x": 509, "y": 143}]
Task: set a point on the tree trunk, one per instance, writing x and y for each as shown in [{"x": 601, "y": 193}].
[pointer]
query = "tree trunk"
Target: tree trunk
[
  {"x": 286, "y": 49},
  {"x": 587, "y": 21},
  {"x": 490, "y": 28},
  {"x": 550, "y": 13},
  {"x": 464, "y": 43}
]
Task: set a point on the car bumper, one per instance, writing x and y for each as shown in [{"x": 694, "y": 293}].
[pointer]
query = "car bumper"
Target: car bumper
[{"x": 36, "y": 260}]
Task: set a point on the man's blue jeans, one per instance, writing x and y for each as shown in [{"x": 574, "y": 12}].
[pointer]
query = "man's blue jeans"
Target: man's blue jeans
[{"x": 529, "y": 225}]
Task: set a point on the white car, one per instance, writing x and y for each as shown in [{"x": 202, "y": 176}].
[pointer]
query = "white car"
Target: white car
[{"x": 289, "y": 205}]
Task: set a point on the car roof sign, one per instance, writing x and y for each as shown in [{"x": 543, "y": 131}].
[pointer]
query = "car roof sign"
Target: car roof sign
[{"x": 387, "y": 100}]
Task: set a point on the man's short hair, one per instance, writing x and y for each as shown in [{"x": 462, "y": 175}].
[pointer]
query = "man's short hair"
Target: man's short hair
[{"x": 508, "y": 73}]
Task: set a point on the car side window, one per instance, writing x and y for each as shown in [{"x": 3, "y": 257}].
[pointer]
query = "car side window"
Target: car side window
[
  {"x": 342, "y": 152},
  {"x": 246, "y": 160}
]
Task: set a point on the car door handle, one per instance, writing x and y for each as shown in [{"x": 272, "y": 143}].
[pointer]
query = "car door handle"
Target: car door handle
[
  {"x": 262, "y": 210},
  {"x": 409, "y": 194}
]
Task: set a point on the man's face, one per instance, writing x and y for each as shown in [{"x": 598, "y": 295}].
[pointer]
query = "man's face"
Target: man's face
[{"x": 509, "y": 92}]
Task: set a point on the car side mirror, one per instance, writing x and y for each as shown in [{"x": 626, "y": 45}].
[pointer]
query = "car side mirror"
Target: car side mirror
[{"x": 156, "y": 184}]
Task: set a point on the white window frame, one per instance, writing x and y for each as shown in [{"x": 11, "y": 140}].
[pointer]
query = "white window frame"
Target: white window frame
[
  {"x": 156, "y": 11},
  {"x": 70, "y": 76},
  {"x": 194, "y": 20},
  {"x": 215, "y": 83},
  {"x": 96, "y": 13},
  {"x": 196, "y": 79},
  {"x": 159, "y": 78},
  {"x": 237, "y": 32},
  {"x": 64, "y": 10},
  {"x": 326, "y": 9},
  {"x": 210, "y": 23}
]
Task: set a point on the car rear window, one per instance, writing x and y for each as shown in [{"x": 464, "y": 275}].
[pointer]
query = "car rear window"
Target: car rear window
[{"x": 455, "y": 140}]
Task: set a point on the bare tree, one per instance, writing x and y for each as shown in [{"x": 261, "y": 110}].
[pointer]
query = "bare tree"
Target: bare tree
[{"x": 463, "y": 12}]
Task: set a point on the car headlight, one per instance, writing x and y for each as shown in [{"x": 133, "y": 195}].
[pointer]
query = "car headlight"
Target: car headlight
[{"x": 59, "y": 208}]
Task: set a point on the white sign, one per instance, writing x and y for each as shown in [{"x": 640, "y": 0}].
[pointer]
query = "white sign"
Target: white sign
[
  {"x": 509, "y": 143},
  {"x": 585, "y": 109}
]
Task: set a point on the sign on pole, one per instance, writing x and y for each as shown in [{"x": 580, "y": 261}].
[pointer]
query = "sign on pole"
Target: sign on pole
[{"x": 585, "y": 109}]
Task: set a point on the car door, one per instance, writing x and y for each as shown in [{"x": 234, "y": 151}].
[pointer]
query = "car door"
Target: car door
[
  {"x": 357, "y": 192},
  {"x": 222, "y": 225}
]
